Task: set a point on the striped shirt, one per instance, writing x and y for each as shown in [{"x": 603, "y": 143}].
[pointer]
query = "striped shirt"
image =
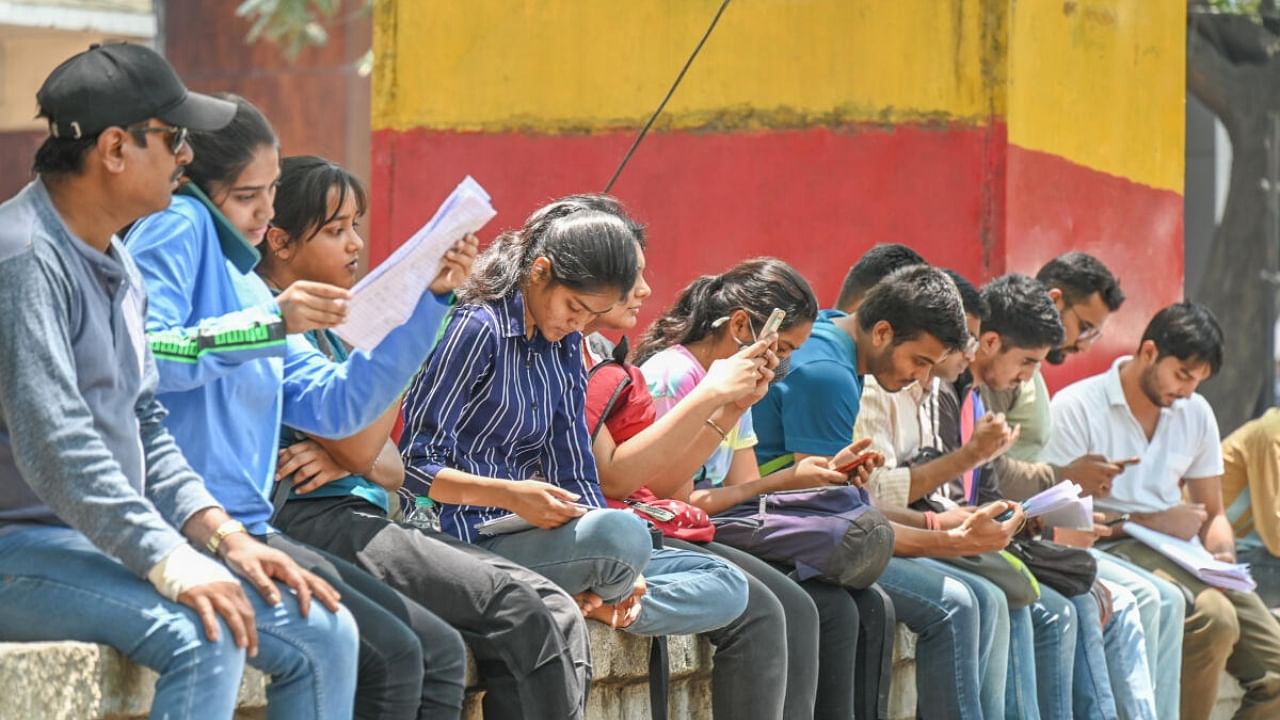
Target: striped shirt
[{"x": 494, "y": 403}]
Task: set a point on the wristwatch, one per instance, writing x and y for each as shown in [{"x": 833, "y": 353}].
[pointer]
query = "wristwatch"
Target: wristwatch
[{"x": 229, "y": 527}]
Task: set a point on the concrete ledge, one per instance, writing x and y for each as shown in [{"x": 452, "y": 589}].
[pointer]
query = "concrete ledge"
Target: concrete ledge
[{"x": 80, "y": 680}]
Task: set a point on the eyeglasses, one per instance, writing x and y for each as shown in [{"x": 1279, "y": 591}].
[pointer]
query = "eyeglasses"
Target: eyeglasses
[
  {"x": 1088, "y": 331},
  {"x": 177, "y": 135},
  {"x": 971, "y": 348}
]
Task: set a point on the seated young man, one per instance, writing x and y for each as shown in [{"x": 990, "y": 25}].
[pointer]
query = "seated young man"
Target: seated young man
[
  {"x": 907, "y": 322},
  {"x": 1145, "y": 407},
  {"x": 1085, "y": 293},
  {"x": 1251, "y": 496},
  {"x": 1108, "y": 670},
  {"x": 100, "y": 514}
]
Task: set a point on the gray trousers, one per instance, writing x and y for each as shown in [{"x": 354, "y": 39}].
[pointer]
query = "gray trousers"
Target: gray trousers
[{"x": 528, "y": 636}]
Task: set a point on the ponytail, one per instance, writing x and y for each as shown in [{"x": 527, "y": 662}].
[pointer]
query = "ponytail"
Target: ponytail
[{"x": 755, "y": 287}]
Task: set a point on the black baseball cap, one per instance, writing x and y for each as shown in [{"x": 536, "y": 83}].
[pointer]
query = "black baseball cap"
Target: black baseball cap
[{"x": 120, "y": 84}]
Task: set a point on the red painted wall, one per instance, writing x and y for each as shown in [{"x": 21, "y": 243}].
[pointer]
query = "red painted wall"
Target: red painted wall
[{"x": 817, "y": 198}]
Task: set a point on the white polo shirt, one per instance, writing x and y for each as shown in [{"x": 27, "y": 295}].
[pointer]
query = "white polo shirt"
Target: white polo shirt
[{"x": 1092, "y": 416}]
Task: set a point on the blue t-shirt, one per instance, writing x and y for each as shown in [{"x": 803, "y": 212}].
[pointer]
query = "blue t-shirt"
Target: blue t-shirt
[{"x": 812, "y": 410}]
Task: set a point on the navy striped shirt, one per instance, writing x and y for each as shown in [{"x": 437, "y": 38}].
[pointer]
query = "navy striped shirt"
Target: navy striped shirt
[{"x": 493, "y": 403}]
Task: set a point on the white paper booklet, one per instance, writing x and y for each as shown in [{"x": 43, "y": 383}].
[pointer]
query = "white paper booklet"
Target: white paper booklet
[
  {"x": 1061, "y": 506},
  {"x": 386, "y": 297},
  {"x": 1192, "y": 556}
]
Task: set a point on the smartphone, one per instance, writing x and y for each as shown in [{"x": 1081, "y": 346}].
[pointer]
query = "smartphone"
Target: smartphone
[
  {"x": 773, "y": 323},
  {"x": 1007, "y": 514},
  {"x": 854, "y": 463}
]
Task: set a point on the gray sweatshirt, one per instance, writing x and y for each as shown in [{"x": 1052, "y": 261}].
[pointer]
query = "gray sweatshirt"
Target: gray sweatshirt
[{"x": 82, "y": 438}]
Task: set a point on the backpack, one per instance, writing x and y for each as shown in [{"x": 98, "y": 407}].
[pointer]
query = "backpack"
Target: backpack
[{"x": 831, "y": 533}]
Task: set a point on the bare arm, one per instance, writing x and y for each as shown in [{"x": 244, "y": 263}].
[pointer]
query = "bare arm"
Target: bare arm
[
  {"x": 979, "y": 533},
  {"x": 743, "y": 482},
  {"x": 668, "y": 452},
  {"x": 1216, "y": 533},
  {"x": 356, "y": 453}
]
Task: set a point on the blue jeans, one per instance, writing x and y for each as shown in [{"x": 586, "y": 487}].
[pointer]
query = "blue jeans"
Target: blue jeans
[
  {"x": 1127, "y": 662},
  {"x": 1022, "y": 697},
  {"x": 689, "y": 593},
  {"x": 1055, "y": 624},
  {"x": 55, "y": 585},
  {"x": 1091, "y": 693},
  {"x": 1161, "y": 610},
  {"x": 602, "y": 552},
  {"x": 944, "y": 613},
  {"x": 993, "y": 637}
]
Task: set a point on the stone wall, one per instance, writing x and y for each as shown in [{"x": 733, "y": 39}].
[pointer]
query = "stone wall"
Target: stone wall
[{"x": 92, "y": 682}]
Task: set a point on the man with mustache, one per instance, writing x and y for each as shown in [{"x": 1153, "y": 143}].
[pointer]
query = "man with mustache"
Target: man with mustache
[{"x": 1145, "y": 407}]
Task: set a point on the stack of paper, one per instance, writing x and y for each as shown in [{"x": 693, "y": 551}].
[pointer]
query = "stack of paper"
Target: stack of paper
[
  {"x": 1192, "y": 556},
  {"x": 386, "y": 297},
  {"x": 1061, "y": 506}
]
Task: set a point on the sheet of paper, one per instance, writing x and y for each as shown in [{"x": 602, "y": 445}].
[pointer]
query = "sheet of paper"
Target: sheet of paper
[
  {"x": 1061, "y": 506},
  {"x": 1192, "y": 556},
  {"x": 386, "y": 297},
  {"x": 1075, "y": 515}
]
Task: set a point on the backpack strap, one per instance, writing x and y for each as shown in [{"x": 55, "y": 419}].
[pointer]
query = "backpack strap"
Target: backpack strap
[{"x": 619, "y": 361}]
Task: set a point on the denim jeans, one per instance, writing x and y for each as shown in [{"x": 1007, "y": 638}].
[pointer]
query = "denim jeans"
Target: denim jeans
[
  {"x": 1091, "y": 695},
  {"x": 1161, "y": 610},
  {"x": 1022, "y": 696},
  {"x": 943, "y": 611},
  {"x": 994, "y": 638},
  {"x": 1056, "y": 626},
  {"x": 689, "y": 593},
  {"x": 1127, "y": 662},
  {"x": 602, "y": 552},
  {"x": 55, "y": 585},
  {"x": 1265, "y": 569}
]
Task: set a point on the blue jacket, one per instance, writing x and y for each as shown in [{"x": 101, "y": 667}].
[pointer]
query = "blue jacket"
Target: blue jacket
[{"x": 228, "y": 373}]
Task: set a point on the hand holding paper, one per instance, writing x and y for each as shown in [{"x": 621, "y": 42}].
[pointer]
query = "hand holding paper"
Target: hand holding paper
[{"x": 386, "y": 297}]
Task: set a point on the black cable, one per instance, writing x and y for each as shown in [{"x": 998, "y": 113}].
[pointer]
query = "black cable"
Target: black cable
[{"x": 645, "y": 130}]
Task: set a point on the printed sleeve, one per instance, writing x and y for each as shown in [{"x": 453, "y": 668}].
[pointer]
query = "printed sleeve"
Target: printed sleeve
[{"x": 189, "y": 351}]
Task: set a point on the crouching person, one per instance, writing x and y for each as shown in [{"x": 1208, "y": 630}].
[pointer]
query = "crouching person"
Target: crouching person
[{"x": 100, "y": 515}]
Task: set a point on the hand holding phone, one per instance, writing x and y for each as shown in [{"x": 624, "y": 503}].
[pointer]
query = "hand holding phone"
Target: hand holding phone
[{"x": 774, "y": 322}]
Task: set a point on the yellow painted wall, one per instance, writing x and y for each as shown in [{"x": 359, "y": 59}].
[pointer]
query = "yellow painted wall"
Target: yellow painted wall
[
  {"x": 1101, "y": 83},
  {"x": 575, "y": 65},
  {"x": 1098, "y": 82}
]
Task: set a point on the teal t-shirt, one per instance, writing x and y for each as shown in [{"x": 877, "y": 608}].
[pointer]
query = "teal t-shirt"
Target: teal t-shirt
[{"x": 813, "y": 408}]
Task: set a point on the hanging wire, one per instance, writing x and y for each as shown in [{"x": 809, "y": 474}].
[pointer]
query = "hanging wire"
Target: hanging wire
[{"x": 645, "y": 130}]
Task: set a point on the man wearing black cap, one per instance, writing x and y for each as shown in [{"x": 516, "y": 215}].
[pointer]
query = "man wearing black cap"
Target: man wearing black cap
[{"x": 100, "y": 515}]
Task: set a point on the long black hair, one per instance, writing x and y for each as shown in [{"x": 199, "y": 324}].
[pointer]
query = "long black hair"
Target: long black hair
[
  {"x": 302, "y": 195},
  {"x": 755, "y": 286},
  {"x": 221, "y": 155},
  {"x": 590, "y": 251}
]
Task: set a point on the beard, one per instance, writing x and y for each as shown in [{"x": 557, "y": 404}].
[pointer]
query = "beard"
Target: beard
[
  {"x": 881, "y": 367},
  {"x": 1057, "y": 356},
  {"x": 1149, "y": 388}
]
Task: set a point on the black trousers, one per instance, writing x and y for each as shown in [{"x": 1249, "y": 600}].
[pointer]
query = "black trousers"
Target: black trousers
[
  {"x": 528, "y": 636},
  {"x": 411, "y": 663}
]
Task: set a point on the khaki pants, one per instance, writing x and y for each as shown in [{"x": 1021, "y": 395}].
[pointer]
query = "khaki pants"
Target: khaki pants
[{"x": 1227, "y": 630}]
